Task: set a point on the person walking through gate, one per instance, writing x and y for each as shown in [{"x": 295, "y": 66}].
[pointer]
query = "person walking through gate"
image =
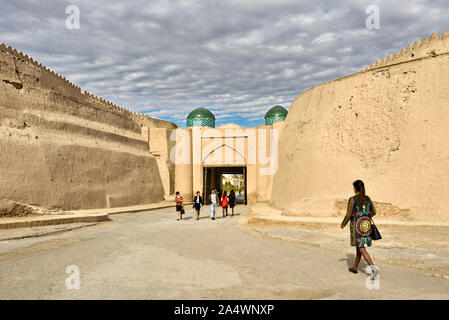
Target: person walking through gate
[
  {"x": 232, "y": 201},
  {"x": 359, "y": 213},
  {"x": 197, "y": 204},
  {"x": 179, "y": 205},
  {"x": 213, "y": 205},
  {"x": 224, "y": 203}
]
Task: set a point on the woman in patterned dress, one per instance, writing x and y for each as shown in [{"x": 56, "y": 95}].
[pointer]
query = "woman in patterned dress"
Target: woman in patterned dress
[{"x": 359, "y": 213}]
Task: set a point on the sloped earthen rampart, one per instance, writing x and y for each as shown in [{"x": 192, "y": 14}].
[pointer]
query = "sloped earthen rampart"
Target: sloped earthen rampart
[
  {"x": 63, "y": 147},
  {"x": 387, "y": 125}
]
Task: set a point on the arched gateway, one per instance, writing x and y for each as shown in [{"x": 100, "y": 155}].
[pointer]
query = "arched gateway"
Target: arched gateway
[{"x": 229, "y": 156}]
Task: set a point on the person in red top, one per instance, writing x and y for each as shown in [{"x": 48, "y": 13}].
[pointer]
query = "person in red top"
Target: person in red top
[
  {"x": 224, "y": 203},
  {"x": 179, "y": 205}
]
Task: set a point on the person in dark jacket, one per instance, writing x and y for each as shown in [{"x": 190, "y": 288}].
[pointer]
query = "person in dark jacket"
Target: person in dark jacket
[
  {"x": 197, "y": 204},
  {"x": 232, "y": 201}
]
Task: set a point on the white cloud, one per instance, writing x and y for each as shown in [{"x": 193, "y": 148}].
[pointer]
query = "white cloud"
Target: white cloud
[
  {"x": 302, "y": 20},
  {"x": 325, "y": 38}
]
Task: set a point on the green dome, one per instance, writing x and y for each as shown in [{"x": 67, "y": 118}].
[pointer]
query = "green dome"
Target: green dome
[
  {"x": 277, "y": 113},
  {"x": 201, "y": 117}
]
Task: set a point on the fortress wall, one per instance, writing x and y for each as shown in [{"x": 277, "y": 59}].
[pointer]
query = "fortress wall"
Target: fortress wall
[
  {"x": 63, "y": 147},
  {"x": 387, "y": 125},
  {"x": 158, "y": 133},
  {"x": 156, "y": 123}
]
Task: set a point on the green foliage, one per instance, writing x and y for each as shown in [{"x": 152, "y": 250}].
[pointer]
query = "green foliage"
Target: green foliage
[{"x": 228, "y": 186}]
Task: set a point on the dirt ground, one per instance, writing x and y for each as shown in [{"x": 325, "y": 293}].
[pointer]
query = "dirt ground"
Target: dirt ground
[
  {"x": 150, "y": 255},
  {"x": 421, "y": 248}
]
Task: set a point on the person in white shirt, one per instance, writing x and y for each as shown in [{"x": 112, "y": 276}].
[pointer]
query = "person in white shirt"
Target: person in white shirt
[{"x": 213, "y": 205}]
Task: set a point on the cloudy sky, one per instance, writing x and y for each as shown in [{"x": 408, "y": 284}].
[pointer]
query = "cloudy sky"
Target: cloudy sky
[{"x": 236, "y": 57}]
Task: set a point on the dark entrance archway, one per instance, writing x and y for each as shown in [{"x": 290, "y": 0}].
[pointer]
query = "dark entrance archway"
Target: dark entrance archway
[{"x": 212, "y": 179}]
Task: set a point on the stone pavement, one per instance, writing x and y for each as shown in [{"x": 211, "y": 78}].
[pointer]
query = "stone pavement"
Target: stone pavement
[
  {"x": 263, "y": 213},
  {"x": 150, "y": 255},
  {"x": 422, "y": 246},
  {"x": 140, "y": 208},
  {"x": 50, "y": 219},
  {"x": 32, "y": 232},
  {"x": 77, "y": 216}
]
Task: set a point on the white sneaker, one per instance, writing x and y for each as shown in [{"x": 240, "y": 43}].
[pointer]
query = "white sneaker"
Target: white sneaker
[{"x": 375, "y": 274}]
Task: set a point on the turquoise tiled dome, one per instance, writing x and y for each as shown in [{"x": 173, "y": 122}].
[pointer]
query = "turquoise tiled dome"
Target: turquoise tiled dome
[
  {"x": 277, "y": 113},
  {"x": 201, "y": 117}
]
